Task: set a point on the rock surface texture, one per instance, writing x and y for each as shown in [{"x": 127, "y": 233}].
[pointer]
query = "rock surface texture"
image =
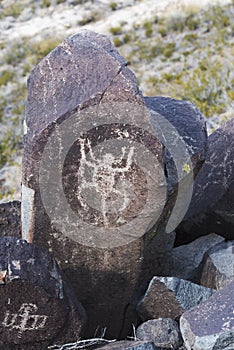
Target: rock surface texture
[
  {"x": 217, "y": 267},
  {"x": 130, "y": 345},
  {"x": 10, "y": 219},
  {"x": 186, "y": 259},
  {"x": 169, "y": 297},
  {"x": 37, "y": 306},
  {"x": 210, "y": 325},
  {"x": 212, "y": 208},
  {"x": 164, "y": 332},
  {"x": 94, "y": 180}
]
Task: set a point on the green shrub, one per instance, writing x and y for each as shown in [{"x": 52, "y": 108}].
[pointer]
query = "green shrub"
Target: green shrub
[
  {"x": 127, "y": 38},
  {"x": 41, "y": 48},
  {"x": 15, "y": 54},
  {"x": 115, "y": 30},
  {"x": 192, "y": 22},
  {"x": 163, "y": 31},
  {"x": 148, "y": 29},
  {"x": 46, "y": 3},
  {"x": 168, "y": 49},
  {"x": 13, "y": 10},
  {"x": 5, "y": 77},
  {"x": 113, "y": 6},
  {"x": 117, "y": 42},
  {"x": 8, "y": 145}
]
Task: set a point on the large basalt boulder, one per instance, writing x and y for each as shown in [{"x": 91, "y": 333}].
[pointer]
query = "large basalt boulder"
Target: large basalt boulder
[
  {"x": 210, "y": 325},
  {"x": 83, "y": 93},
  {"x": 182, "y": 130},
  {"x": 37, "y": 306},
  {"x": 212, "y": 206},
  {"x": 94, "y": 178}
]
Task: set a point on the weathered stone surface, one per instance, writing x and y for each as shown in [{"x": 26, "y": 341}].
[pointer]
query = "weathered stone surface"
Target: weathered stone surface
[
  {"x": 130, "y": 345},
  {"x": 84, "y": 71},
  {"x": 164, "y": 332},
  {"x": 210, "y": 325},
  {"x": 37, "y": 306},
  {"x": 187, "y": 258},
  {"x": 169, "y": 297},
  {"x": 93, "y": 176},
  {"x": 211, "y": 208},
  {"x": 10, "y": 219},
  {"x": 188, "y": 122},
  {"x": 185, "y": 136},
  {"x": 217, "y": 267}
]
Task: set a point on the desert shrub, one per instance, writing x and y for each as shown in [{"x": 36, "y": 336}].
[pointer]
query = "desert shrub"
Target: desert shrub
[
  {"x": 115, "y": 30},
  {"x": 41, "y": 48},
  {"x": 8, "y": 145},
  {"x": 13, "y": 10},
  {"x": 148, "y": 26},
  {"x": 5, "y": 77},
  {"x": 113, "y": 6},
  {"x": 117, "y": 42},
  {"x": 46, "y": 3}
]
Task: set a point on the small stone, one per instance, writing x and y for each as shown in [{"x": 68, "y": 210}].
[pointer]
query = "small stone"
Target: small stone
[
  {"x": 210, "y": 325},
  {"x": 187, "y": 258},
  {"x": 37, "y": 306},
  {"x": 130, "y": 345},
  {"x": 217, "y": 267},
  {"x": 164, "y": 332},
  {"x": 169, "y": 297}
]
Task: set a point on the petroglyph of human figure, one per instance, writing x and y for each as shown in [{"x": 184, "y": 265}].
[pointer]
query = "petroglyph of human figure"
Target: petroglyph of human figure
[{"x": 104, "y": 172}]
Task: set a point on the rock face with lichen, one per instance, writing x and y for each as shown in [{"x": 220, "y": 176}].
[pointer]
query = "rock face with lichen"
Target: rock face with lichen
[{"x": 94, "y": 187}]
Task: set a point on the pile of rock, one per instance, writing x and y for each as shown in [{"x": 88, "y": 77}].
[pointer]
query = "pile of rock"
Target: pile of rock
[{"x": 107, "y": 178}]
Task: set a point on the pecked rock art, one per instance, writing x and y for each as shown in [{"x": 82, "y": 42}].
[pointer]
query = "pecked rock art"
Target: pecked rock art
[{"x": 95, "y": 185}]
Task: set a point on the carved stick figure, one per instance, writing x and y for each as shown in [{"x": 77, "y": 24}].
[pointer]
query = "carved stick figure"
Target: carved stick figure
[{"x": 104, "y": 171}]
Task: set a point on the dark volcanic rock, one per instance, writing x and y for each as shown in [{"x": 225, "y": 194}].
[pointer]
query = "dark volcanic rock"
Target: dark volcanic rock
[
  {"x": 186, "y": 259},
  {"x": 91, "y": 104},
  {"x": 212, "y": 206},
  {"x": 210, "y": 325},
  {"x": 37, "y": 306},
  {"x": 164, "y": 332},
  {"x": 130, "y": 345},
  {"x": 185, "y": 137},
  {"x": 169, "y": 297},
  {"x": 217, "y": 267},
  {"x": 10, "y": 219},
  {"x": 94, "y": 177}
]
